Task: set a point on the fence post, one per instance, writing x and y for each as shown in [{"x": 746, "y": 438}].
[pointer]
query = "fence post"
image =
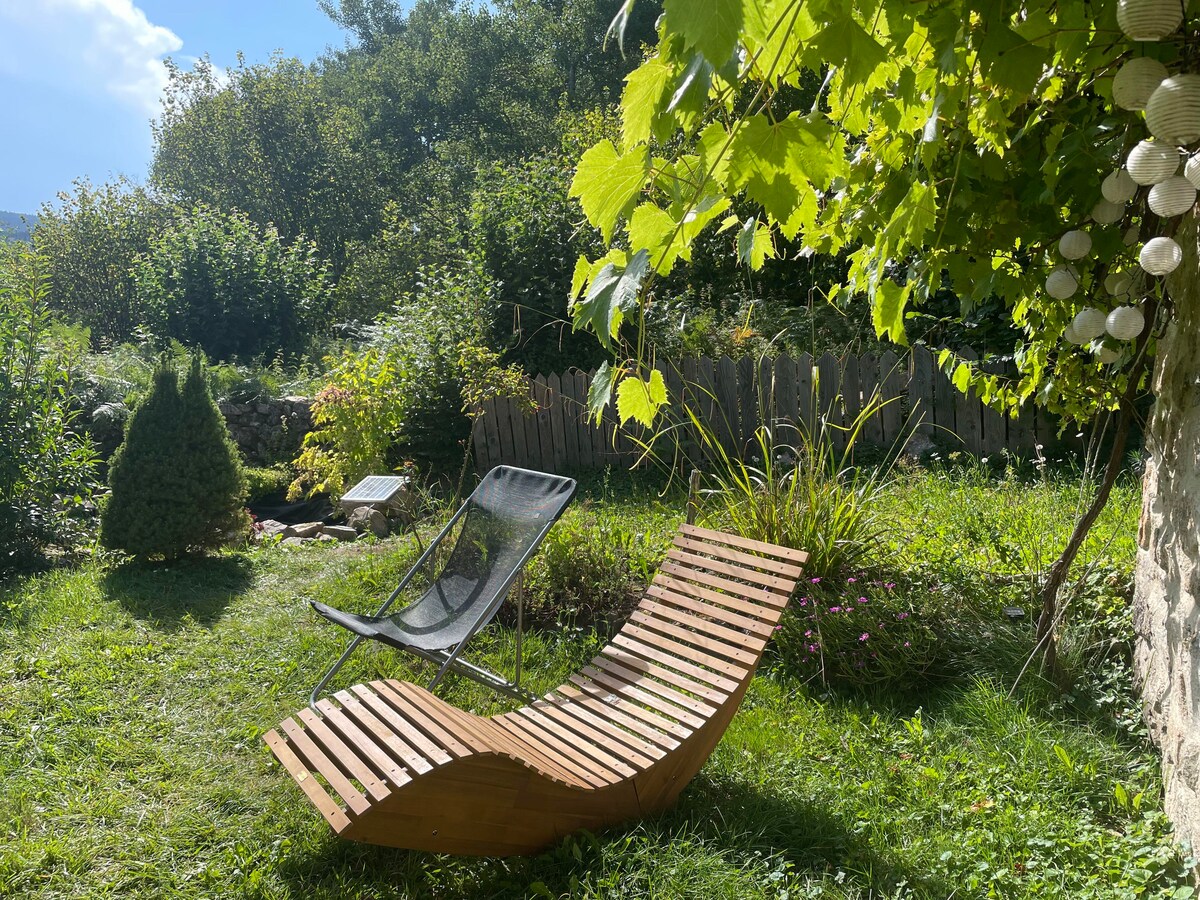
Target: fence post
[{"x": 693, "y": 502}]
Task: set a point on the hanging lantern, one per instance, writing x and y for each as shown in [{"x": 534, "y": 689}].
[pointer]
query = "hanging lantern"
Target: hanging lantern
[
  {"x": 1125, "y": 323},
  {"x": 1172, "y": 197},
  {"x": 1118, "y": 187},
  {"x": 1191, "y": 170},
  {"x": 1107, "y": 355},
  {"x": 1089, "y": 323},
  {"x": 1136, "y": 80},
  {"x": 1106, "y": 213},
  {"x": 1160, "y": 256},
  {"x": 1061, "y": 283},
  {"x": 1075, "y": 244},
  {"x": 1151, "y": 162},
  {"x": 1131, "y": 236},
  {"x": 1118, "y": 283},
  {"x": 1173, "y": 110},
  {"x": 1069, "y": 334},
  {"x": 1149, "y": 20}
]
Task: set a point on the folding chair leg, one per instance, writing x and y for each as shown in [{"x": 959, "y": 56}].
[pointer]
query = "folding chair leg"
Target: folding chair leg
[{"x": 316, "y": 692}]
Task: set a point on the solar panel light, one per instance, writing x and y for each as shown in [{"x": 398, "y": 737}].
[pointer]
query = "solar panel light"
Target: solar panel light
[
  {"x": 1014, "y": 612},
  {"x": 383, "y": 492}
]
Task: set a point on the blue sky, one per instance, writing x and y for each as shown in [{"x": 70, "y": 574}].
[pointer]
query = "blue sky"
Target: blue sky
[{"x": 80, "y": 79}]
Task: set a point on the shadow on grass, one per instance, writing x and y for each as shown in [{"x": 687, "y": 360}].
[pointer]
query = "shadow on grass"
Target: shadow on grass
[
  {"x": 169, "y": 594},
  {"x": 722, "y": 824}
]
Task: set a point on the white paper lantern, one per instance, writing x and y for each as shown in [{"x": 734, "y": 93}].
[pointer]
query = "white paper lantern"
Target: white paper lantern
[
  {"x": 1160, "y": 256},
  {"x": 1069, "y": 334},
  {"x": 1131, "y": 236},
  {"x": 1089, "y": 323},
  {"x": 1173, "y": 110},
  {"x": 1151, "y": 162},
  {"x": 1118, "y": 283},
  {"x": 1061, "y": 283},
  {"x": 1107, "y": 355},
  {"x": 1136, "y": 81},
  {"x": 1106, "y": 213},
  {"x": 1149, "y": 20},
  {"x": 1172, "y": 197},
  {"x": 1125, "y": 323},
  {"x": 1191, "y": 170},
  {"x": 1075, "y": 244},
  {"x": 1118, "y": 187}
]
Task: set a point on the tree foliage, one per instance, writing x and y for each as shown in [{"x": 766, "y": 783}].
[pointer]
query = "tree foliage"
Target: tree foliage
[
  {"x": 217, "y": 281},
  {"x": 177, "y": 482},
  {"x": 46, "y": 465},
  {"x": 952, "y": 144}
]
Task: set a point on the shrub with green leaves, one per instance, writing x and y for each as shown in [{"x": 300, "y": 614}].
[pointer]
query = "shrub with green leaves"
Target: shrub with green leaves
[
  {"x": 46, "y": 466},
  {"x": 218, "y": 281},
  {"x": 177, "y": 483}
]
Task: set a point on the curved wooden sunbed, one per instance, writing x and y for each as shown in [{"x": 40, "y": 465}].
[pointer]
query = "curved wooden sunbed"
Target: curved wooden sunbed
[{"x": 389, "y": 763}]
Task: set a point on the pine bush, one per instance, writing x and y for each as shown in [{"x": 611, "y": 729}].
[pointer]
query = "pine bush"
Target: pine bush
[{"x": 177, "y": 483}]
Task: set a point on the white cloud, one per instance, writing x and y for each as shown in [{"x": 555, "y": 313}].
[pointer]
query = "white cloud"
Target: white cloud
[{"x": 82, "y": 45}]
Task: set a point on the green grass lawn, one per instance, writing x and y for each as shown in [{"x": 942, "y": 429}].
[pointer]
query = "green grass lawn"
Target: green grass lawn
[{"x": 132, "y": 701}]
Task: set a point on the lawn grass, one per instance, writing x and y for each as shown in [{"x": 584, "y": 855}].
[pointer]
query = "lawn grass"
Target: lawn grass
[{"x": 132, "y": 701}]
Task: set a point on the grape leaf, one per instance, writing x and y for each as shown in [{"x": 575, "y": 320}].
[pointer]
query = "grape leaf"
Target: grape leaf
[
  {"x": 641, "y": 400},
  {"x": 612, "y": 293},
  {"x": 608, "y": 183},
  {"x": 600, "y": 391},
  {"x": 887, "y": 310},
  {"x": 642, "y": 99},
  {"x": 844, "y": 43},
  {"x": 711, "y": 26}
]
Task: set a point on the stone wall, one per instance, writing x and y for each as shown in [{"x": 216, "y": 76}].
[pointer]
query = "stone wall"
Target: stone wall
[
  {"x": 1167, "y": 596},
  {"x": 268, "y": 430}
]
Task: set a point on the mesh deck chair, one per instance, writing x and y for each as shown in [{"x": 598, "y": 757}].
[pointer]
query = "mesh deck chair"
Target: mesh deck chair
[{"x": 503, "y": 522}]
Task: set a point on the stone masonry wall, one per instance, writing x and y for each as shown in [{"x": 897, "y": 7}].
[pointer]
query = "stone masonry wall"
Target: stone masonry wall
[
  {"x": 268, "y": 430},
  {"x": 1167, "y": 596}
]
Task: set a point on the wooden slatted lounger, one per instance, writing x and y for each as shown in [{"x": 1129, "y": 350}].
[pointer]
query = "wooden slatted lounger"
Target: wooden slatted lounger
[{"x": 389, "y": 763}]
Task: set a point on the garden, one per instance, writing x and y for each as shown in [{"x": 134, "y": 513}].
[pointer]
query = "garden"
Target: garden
[{"x": 905, "y": 287}]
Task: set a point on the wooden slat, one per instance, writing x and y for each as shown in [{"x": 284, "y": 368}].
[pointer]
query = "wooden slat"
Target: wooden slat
[
  {"x": 579, "y": 721},
  {"x": 734, "y": 540},
  {"x": 764, "y": 617},
  {"x": 748, "y": 411},
  {"x": 768, "y": 566},
  {"x": 782, "y": 585},
  {"x": 685, "y": 651},
  {"x": 366, "y": 750},
  {"x": 968, "y": 415},
  {"x": 640, "y": 751},
  {"x": 533, "y": 437},
  {"x": 345, "y": 757},
  {"x": 893, "y": 378},
  {"x": 851, "y": 390},
  {"x": 319, "y": 762},
  {"x": 774, "y": 600},
  {"x": 550, "y": 747},
  {"x": 644, "y": 649},
  {"x": 805, "y": 393},
  {"x": 706, "y": 627},
  {"x": 631, "y": 661},
  {"x": 569, "y": 409},
  {"x": 583, "y": 427},
  {"x": 720, "y": 648},
  {"x": 614, "y": 711},
  {"x": 645, "y": 698},
  {"x": 574, "y": 739},
  {"x": 787, "y": 409},
  {"x": 558, "y": 430},
  {"x": 920, "y": 396},
  {"x": 389, "y": 737},
  {"x": 412, "y": 733},
  {"x": 325, "y": 804},
  {"x": 417, "y": 717},
  {"x": 607, "y": 695},
  {"x": 640, "y": 678},
  {"x": 727, "y": 425},
  {"x": 690, "y": 604}
]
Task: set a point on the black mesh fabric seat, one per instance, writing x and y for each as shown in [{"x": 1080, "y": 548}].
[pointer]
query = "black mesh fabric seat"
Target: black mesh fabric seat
[{"x": 501, "y": 524}]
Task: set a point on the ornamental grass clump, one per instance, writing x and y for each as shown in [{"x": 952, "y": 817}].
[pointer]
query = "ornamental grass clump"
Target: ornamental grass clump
[
  {"x": 858, "y": 631},
  {"x": 801, "y": 488}
]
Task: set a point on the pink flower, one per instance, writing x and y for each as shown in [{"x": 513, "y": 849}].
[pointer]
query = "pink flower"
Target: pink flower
[
  {"x": 907, "y": 644},
  {"x": 889, "y": 585},
  {"x": 835, "y": 609},
  {"x": 863, "y": 637},
  {"x": 851, "y": 580},
  {"x": 902, "y": 616},
  {"x": 816, "y": 580},
  {"x": 808, "y": 633},
  {"x": 804, "y": 601},
  {"x": 779, "y": 628},
  {"x": 862, "y": 599}
]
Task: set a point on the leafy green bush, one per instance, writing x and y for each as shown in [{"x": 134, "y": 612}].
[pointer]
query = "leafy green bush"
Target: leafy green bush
[
  {"x": 46, "y": 466},
  {"x": 399, "y": 397},
  {"x": 218, "y": 281},
  {"x": 177, "y": 483}
]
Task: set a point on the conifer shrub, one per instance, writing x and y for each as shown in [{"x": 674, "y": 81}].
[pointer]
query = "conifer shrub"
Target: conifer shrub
[{"x": 177, "y": 482}]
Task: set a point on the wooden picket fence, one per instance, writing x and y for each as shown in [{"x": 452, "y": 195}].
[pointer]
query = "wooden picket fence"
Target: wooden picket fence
[{"x": 733, "y": 398}]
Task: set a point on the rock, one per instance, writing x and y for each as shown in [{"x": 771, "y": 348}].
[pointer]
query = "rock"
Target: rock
[
  {"x": 367, "y": 519},
  {"x": 326, "y": 538},
  {"x": 295, "y": 541},
  {"x": 270, "y": 527},
  {"x": 306, "y": 530},
  {"x": 339, "y": 532}
]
